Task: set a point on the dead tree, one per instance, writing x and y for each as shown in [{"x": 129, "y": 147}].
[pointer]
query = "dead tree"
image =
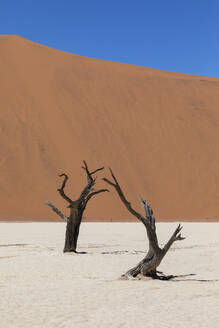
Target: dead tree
[
  {"x": 148, "y": 266},
  {"x": 76, "y": 207}
]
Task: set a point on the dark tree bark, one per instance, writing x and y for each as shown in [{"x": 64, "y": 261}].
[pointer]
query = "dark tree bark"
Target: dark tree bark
[
  {"x": 76, "y": 207},
  {"x": 148, "y": 266}
]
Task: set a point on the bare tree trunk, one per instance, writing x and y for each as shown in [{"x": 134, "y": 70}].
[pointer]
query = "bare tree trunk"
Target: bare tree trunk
[
  {"x": 148, "y": 266},
  {"x": 72, "y": 230},
  {"x": 77, "y": 208}
]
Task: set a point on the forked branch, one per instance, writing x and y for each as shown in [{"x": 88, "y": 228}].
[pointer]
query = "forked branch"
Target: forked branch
[
  {"x": 175, "y": 236},
  {"x": 92, "y": 194},
  {"x": 90, "y": 181}
]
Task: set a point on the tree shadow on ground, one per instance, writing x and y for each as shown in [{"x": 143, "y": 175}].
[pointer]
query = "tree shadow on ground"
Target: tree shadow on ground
[
  {"x": 171, "y": 278},
  {"x": 13, "y": 245},
  {"x": 175, "y": 278}
]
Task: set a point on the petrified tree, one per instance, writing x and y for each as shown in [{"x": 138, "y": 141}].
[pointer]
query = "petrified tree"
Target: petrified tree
[
  {"x": 148, "y": 266},
  {"x": 76, "y": 207}
]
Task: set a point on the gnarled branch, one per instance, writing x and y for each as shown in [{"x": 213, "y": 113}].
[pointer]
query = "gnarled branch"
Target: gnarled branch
[{"x": 61, "y": 190}]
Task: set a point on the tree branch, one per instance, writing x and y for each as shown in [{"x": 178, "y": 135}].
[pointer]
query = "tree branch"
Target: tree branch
[
  {"x": 148, "y": 213},
  {"x": 90, "y": 182},
  {"x": 122, "y": 197},
  {"x": 146, "y": 221},
  {"x": 64, "y": 181},
  {"x": 100, "y": 169},
  {"x": 175, "y": 236},
  {"x": 61, "y": 190},
  {"x": 109, "y": 182},
  {"x": 93, "y": 194},
  {"x": 152, "y": 236},
  {"x": 89, "y": 174},
  {"x": 56, "y": 210},
  {"x": 151, "y": 227}
]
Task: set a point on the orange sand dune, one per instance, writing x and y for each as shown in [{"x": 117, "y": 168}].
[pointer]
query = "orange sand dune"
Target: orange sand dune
[{"x": 158, "y": 130}]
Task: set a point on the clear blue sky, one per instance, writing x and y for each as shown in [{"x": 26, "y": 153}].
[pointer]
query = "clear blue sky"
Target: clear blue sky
[{"x": 175, "y": 35}]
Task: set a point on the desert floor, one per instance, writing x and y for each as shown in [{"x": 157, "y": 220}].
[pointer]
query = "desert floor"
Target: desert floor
[{"x": 42, "y": 287}]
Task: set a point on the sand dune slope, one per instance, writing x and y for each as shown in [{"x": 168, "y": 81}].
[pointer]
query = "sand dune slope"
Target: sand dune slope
[{"x": 158, "y": 130}]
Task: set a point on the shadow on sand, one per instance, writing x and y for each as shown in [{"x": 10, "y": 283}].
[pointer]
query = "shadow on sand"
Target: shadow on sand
[{"x": 175, "y": 278}]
